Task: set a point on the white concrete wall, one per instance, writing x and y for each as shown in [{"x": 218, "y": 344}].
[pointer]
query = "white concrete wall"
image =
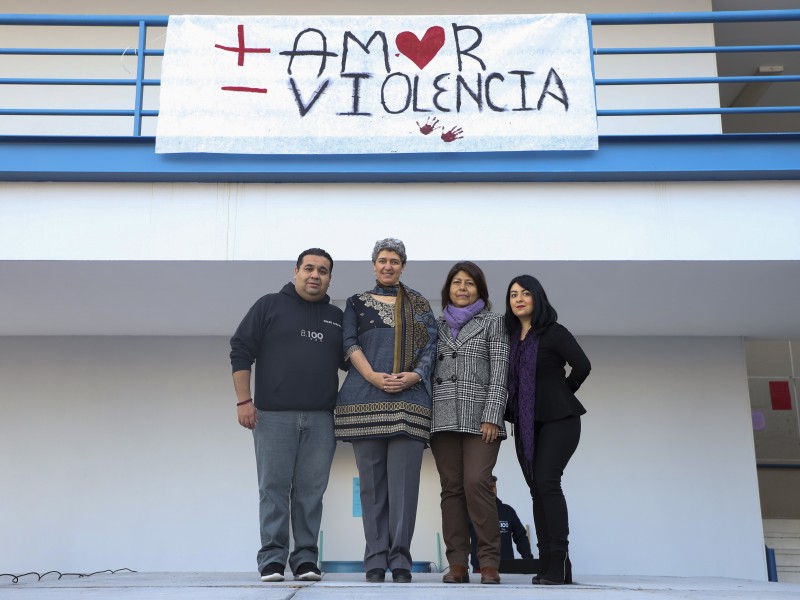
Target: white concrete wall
[
  {"x": 564, "y": 221},
  {"x": 125, "y": 452}
]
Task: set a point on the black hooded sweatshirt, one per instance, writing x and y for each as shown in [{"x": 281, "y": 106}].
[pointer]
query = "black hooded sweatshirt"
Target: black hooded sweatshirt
[{"x": 297, "y": 348}]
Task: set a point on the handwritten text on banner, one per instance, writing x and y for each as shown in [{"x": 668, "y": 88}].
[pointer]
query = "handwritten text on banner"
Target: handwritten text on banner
[{"x": 376, "y": 84}]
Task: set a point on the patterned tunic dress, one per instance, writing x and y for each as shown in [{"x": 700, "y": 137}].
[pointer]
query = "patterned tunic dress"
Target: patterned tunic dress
[{"x": 364, "y": 411}]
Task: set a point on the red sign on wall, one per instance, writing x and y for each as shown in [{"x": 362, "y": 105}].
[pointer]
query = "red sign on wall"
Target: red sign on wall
[{"x": 779, "y": 395}]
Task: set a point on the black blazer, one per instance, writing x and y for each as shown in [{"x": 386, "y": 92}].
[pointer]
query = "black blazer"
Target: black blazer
[{"x": 555, "y": 391}]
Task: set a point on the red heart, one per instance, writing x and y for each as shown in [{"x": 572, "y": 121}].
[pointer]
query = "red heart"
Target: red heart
[{"x": 421, "y": 52}]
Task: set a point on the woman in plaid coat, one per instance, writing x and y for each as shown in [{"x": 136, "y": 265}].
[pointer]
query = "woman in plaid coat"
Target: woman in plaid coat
[{"x": 469, "y": 400}]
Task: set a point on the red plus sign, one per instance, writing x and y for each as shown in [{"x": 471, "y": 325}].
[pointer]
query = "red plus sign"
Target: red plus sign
[{"x": 241, "y": 49}]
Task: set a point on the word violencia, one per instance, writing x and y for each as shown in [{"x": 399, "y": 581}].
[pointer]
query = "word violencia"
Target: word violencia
[{"x": 400, "y": 92}]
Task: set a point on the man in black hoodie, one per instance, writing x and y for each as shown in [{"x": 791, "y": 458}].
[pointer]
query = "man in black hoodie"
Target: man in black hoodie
[{"x": 295, "y": 339}]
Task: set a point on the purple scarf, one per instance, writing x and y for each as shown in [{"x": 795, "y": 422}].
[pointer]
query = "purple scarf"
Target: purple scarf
[
  {"x": 456, "y": 317},
  {"x": 522, "y": 392}
]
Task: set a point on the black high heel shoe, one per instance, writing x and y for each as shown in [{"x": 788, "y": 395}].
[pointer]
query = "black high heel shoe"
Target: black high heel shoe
[
  {"x": 544, "y": 565},
  {"x": 559, "y": 571}
]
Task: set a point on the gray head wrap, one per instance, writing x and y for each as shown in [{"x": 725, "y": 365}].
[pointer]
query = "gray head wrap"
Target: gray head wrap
[{"x": 392, "y": 244}]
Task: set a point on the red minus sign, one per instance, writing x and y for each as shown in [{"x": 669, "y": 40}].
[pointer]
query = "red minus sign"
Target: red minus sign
[{"x": 235, "y": 88}]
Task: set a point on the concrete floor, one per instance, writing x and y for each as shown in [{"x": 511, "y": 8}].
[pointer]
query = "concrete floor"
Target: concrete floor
[{"x": 351, "y": 586}]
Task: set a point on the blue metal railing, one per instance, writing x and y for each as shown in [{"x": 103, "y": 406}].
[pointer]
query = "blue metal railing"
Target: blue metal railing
[
  {"x": 145, "y": 22},
  {"x": 752, "y": 16},
  {"x": 138, "y": 82}
]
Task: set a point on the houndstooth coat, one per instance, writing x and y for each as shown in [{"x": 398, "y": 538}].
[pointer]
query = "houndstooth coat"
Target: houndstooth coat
[{"x": 470, "y": 373}]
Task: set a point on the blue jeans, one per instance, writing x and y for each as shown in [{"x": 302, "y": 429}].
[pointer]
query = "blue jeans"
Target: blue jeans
[{"x": 294, "y": 451}]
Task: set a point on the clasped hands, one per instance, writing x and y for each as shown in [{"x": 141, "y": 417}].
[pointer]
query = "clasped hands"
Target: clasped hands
[{"x": 392, "y": 383}]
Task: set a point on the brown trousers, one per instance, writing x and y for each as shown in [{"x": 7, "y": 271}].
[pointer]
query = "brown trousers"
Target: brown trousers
[{"x": 465, "y": 466}]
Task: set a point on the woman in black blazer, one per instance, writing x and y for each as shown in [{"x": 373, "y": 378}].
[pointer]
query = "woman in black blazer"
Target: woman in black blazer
[{"x": 545, "y": 413}]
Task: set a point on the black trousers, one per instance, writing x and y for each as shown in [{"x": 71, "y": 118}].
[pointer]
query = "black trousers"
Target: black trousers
[{"x": 554, "y": 444}]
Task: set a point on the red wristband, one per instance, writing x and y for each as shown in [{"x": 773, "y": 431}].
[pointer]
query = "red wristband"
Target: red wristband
[{"x": 244, "y": 402}]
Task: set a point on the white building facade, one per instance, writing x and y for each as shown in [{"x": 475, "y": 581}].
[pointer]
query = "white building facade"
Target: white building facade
[{"x": 118, "y": 296}]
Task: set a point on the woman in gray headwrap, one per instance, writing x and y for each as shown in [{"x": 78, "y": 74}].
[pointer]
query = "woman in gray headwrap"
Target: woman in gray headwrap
[{"x": 384, "y": 407}]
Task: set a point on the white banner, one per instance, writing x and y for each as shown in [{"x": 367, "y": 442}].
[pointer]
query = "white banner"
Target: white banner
[{"x": 376, "y": 84}]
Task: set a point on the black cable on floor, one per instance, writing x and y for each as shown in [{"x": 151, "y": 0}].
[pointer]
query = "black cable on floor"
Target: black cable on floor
[{"x": 16, "y": 578}]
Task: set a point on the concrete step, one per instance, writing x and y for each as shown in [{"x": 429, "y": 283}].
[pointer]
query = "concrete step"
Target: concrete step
[
  {"x": 782, "y": 542},
  {"x": 783, "y": 536},
  {"x": 788, "y": 575},
  {"x": 781, "y": 526},
  {"x": 788, "y": 559}
]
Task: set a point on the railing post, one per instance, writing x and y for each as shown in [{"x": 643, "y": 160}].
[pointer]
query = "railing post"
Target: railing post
[
  {"x": 137, "y": 116},
  {"x": 772, "y": 565},
  {"x": 591, "y": 57}
]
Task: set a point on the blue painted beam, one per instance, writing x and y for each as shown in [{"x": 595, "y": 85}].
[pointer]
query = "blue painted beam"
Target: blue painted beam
[
  {"x": 694, "y": 80},
  {"x": 678, "y": 18},
  {"x": 77, "y": 52},
  {"x": 699, "y": 49},
  {"x": 620, "y": 158},
  {"x": 73, "y": 20},
  {"x": 45, "y": 81},
  {"x": 667, "y": 18},
  {"x": 72, "y": 112},
  {"x": 737, "y": 110}
]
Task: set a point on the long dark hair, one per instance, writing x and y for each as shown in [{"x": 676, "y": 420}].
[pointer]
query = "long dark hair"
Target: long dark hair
[
  {"x": 474, "y": 271},
  {"x": 544, "y": 314}
]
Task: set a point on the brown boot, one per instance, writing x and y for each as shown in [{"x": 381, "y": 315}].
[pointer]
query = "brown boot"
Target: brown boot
[
  {"x": 490, "y": 575},
  {"x": 457, "y": 574}
]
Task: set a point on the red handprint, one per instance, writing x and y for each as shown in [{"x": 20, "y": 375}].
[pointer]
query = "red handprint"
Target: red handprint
[
  {"x": 430, "y": 125},
  {"x": 453, "y": 135}
]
